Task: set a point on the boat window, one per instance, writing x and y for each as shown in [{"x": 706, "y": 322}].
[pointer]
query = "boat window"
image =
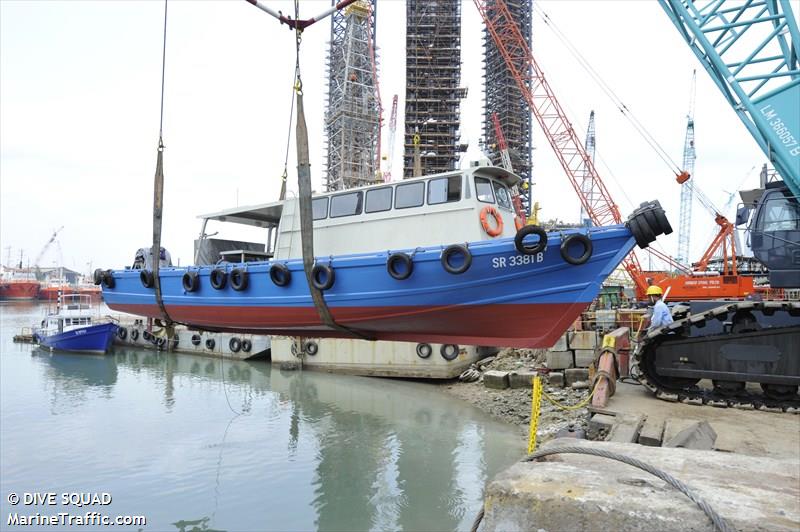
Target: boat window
[
  {"x": 503, "y": 196},
  {"x": 409, "y": 195},
  {"x": 346, "y": 204},
  {"x": 379, "y": 199},
  {"x": 319, "y": 208},
  {"x": 483, "y": 189},
  {"x": 444, "y": 190}
]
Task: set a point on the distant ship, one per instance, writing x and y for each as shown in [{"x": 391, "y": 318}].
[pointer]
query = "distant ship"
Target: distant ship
[
  {"x": 18, "y": 285},
  {"x": 441, "y": 258}
]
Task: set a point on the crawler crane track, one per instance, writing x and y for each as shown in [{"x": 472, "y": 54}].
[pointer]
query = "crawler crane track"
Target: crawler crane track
[{"x": 751, "y": 348}]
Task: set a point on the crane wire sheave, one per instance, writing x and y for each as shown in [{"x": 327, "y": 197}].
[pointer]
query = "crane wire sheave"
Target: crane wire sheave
[{"x": 751, "y": 49}]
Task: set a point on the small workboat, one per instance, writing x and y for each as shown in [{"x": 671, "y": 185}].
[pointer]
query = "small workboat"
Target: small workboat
[
  {"x": 74, "y": 326},
  {"x": 441, "y": 258}
]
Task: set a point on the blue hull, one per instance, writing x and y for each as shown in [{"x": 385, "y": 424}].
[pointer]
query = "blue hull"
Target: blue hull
[
  {"x": 91, "y": 339},
  {"x": 504, "y": 298}
]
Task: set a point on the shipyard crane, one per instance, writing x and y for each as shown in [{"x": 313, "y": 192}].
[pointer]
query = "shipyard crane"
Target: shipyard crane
[
  {"x": 502, "y": 145},
  {"x": 689, "y": 156},
  {"x": 387, "y": 175},
  {"x": 44, "y": 250},
  {"x": 577, "y": 164},
  {"x": 587, "y": 186}
]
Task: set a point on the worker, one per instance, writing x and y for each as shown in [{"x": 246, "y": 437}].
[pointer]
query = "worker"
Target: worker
[{"x": 661, "y": 314}]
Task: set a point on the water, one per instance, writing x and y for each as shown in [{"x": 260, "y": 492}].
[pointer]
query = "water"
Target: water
[{"x": 195, "y": 443}]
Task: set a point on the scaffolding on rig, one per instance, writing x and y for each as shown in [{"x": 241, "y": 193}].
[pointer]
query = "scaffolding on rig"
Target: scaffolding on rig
[
  {"x": 352, "y": 118},
  {"x": 502, "y": 96},
  {"x": 433, "y": 76}
]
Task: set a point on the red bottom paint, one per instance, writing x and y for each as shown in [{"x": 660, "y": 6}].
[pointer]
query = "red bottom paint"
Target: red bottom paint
[{"x": 520, "y": 325}]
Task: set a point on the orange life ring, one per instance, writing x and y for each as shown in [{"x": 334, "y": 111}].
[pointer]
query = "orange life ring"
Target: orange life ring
[
  {"x": 498, "y": 229},
  {"x": 518, "y": 223}
]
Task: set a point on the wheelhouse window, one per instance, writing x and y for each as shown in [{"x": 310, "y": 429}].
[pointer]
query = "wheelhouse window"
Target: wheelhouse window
[
  {"x": 502, "y": 194},
  {"x": 319, "y": 208},
  {"x": 379, "y": 200},
  {"x": 444, "y": 190},
  {"x": 346, "y": 204},
  {"x": 409, "y": 195},
  {"x": 483, "y": 190}
]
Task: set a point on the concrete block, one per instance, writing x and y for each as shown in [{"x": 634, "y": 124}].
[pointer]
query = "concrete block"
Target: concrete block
[
  {"x": 584, "y": 357},
  {"x": 600, "y": 424},
  {"x": 521, "y": 379},
  {"x": 626, "y": 429},
  {"x": 583, "y": 340},
  {"x": 575, "y": 375},
  {"x": 674, "y": 425},
  {"x": 699, "y": 436},
  {"x": 559, "y": 359},
  {"x": 561, "y": 344},
  {"x": 652, "y": 432},
  {"x": 578, "y": 492},
  {"x": 497, "y": 380},
  {"x": 556, "y": 379}
]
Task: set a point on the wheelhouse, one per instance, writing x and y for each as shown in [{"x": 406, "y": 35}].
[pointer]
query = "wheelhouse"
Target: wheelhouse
[{"x": 459, "y": 206}]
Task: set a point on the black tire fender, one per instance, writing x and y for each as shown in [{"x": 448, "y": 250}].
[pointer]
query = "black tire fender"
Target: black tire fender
[
  {"x": 454, "y": 249},
  {"x": 146, "y": 278},
  {"x": 247, "y": 345},
  {"x": 311, "y": 348},
  {"x": 582, "y": 239},
  {"x": 322, "y": 283},
  {"x": 449, "y": 352},
  {"x": 97, "y": 276},
  {"x": 210, "y": 343},
  {"x": 122, "y": 333},
  {"x": 239, "y": 279},
  {"x": 279, "y": 274},
  {"x": 134, "y": 334},
  {"x": 108, "y": 279},
  {"x": 424, "y": 350},
  {"x": 196, "y": 339},
  {"x": 190, "y": 281},
  {"x": 218, "y": 278},
  {"x": 234, "y": 344},
  {"x": 407, "y": 267},
  {"x": 530, "y": 249}
]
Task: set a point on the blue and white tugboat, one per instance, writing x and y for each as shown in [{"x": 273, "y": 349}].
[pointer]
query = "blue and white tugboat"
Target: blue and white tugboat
[{"x": 73, "y": 327}]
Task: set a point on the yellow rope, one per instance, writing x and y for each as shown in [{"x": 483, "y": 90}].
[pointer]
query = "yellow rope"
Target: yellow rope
[{"x": 536, "y": 403}]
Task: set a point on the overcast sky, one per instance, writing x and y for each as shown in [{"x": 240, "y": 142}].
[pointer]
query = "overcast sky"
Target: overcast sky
[{"x": 79, "y": 115}]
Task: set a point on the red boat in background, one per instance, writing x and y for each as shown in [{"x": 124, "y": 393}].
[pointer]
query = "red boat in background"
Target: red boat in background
[
  {"x": 50, "y": 291},
  {"x": 17, "y": 285}
]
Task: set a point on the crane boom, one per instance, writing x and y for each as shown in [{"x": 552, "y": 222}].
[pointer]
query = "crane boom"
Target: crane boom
[
  {"x": 502, "y": 145},
  {"x": 387, "y": 175},
  {"x": 751, "y": 49},
  {"x": 689, "y": 156}
]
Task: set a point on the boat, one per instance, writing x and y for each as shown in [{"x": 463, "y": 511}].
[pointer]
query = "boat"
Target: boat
[
  {"x": 441, "y": 258},
  {"x": 73, "y": 326},
  {"x": 51, "y": 290},
  {"x": 18, "y": 285}
]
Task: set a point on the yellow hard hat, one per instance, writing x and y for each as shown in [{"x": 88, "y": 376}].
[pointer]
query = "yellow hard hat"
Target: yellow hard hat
[{"x": 654, "y": 291}]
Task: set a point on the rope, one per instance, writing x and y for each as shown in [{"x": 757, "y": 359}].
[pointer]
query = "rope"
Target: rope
[
  {"x": 158, "y": 188},
  {"x": 536, "y": 401},
  {"x": 716, "y": 519}
]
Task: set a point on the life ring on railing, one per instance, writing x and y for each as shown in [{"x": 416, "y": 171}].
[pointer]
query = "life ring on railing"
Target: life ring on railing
[
  {"x": 530, "y": 249},
  {"x": 238, "y": 279},
  {"x": 518, "y": 223},
  {"x": 498, "y": 220},
  {"x": 235, "y": 344},
  {"x": 405, "y": 263},
  {"x": 218, "y": 278},
  {"x": 322, "y": 276},
  {"x": 190, "y": 281},
  {"x": 279, "y": 274},
  {"x": 581, "y": 239},
  {"x": 456, "y": 249}
]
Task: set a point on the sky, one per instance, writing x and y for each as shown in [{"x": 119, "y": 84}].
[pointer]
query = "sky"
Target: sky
[{"x": 80, "y": 99}]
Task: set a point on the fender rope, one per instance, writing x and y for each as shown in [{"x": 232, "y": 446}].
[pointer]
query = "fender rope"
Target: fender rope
[{"x": 716, "y": 519}]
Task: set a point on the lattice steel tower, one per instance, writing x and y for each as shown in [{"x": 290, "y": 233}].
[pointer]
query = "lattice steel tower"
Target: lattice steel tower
[
  {"x": 687, "y": 189},
  {"x": 587, "y": 185},
  {"x": 433, "y": 75},
  {"x": 503, "y": 97},
  {"x": 352, "y": 119}
]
